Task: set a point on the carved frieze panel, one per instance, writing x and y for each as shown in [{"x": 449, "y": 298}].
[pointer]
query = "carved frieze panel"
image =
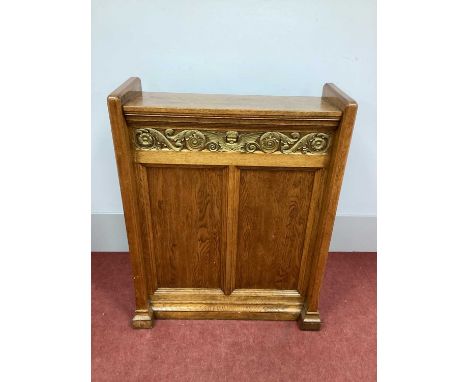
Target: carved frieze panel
[{"x": 232, "y": 141}]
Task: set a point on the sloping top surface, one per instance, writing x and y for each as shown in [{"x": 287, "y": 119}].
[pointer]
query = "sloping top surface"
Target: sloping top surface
[{"x": 222, "y": 104}]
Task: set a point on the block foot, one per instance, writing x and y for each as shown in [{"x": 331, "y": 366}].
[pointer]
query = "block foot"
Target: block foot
[
  {"x": 309, "y": 321},
  {"x": 143, "y": 319}
]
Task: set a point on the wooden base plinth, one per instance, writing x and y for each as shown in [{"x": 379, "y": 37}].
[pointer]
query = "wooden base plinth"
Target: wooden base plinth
[
  {"x": 143, "y": 319},
  {"x": 241, "y": 304},
  {"x": 167, "y": 303},
  {"x": 309, "y": 321}
]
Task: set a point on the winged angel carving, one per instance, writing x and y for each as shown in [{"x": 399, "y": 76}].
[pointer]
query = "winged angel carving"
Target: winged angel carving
[{"x": 195, "y": 140}]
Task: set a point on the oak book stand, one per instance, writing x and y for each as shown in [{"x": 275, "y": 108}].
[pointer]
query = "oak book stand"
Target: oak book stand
[{"x": 229, "y": 200}]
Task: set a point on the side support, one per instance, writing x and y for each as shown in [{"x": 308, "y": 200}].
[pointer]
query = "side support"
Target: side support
[
  {"x": 310, "y": 318},
  {"x": 128, "y": 187}
]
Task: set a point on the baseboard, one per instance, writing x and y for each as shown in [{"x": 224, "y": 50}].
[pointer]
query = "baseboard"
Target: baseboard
[{"x": 352, "y": 233}]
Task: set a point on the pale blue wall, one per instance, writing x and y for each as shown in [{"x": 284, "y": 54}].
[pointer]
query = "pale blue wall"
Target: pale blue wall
[{"x": 244, "y": 47}]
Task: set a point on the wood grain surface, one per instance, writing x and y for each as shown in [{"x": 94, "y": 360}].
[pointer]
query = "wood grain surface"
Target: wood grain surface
[
  {"x": 229, "y": 104},
  {"x": 231, "y": 159},
  {"x": 187, "y": 206},
  {"x": 334, "y": 177},
  {"x": 229, "y": 234},
  {"x": 126, "y": 167},
  {"x": 273, "y": 211}
]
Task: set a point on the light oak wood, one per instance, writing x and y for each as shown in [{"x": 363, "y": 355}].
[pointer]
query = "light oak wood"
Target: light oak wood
[
  {"x": 229, "y": 200},
  {"x": 232, "y": 223},
  {"x": 149, "y": 246},
  {"x": 224, "y": 104},
  {"x": 274, "y": 205},
  {"x": 188, "y": 228},
  {"x": 128, "y": 185},
  {"x": 311, "y": 231},
  {"x": 217, "y": 111},
  {"x": 334, "y": 178},
  {"x": 223, "y": 122},
  {"x": 230, "y": 159},
  {"x": 197, "y": 303}
]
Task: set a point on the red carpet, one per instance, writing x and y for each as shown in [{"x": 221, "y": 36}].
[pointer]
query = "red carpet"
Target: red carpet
[{"x": 344, "y": 350}]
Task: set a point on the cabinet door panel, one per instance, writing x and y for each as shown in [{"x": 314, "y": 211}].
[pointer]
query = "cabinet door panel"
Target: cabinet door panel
[
  {"x": 187, "y": 210},
  {"x": 273, "y": 212}
]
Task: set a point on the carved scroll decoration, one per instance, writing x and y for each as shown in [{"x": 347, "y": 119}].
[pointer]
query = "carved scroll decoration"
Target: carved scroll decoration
[{"x": 232, "y": 141}]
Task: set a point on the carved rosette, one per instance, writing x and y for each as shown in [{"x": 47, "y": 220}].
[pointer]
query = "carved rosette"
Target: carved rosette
[{"x": 232, "y": 141}]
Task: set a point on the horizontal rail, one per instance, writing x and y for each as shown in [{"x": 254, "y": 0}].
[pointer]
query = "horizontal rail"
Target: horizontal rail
[{"x": 232, "y": 159}]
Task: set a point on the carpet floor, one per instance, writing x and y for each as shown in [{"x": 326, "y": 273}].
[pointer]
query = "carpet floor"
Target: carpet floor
[{"x": 211, "y": 350}]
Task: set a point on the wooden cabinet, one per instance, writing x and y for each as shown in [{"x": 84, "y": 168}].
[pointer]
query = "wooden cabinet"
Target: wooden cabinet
[{"x": 229, "y": 200}]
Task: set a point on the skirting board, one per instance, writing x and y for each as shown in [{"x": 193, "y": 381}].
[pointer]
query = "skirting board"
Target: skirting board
[{"x": 351, "y": 233}]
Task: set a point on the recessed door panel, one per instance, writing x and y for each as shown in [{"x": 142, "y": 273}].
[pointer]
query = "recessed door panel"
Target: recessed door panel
[
  {"x": 273, "y": 212},
  {"x": 187, "y": 213}
]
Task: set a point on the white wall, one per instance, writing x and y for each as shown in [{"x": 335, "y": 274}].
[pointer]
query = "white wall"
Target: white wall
[{"x": 239, "y": 47}]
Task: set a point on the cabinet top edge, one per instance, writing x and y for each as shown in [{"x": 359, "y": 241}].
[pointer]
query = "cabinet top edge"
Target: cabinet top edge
[{"x": 226, "y": 104}]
